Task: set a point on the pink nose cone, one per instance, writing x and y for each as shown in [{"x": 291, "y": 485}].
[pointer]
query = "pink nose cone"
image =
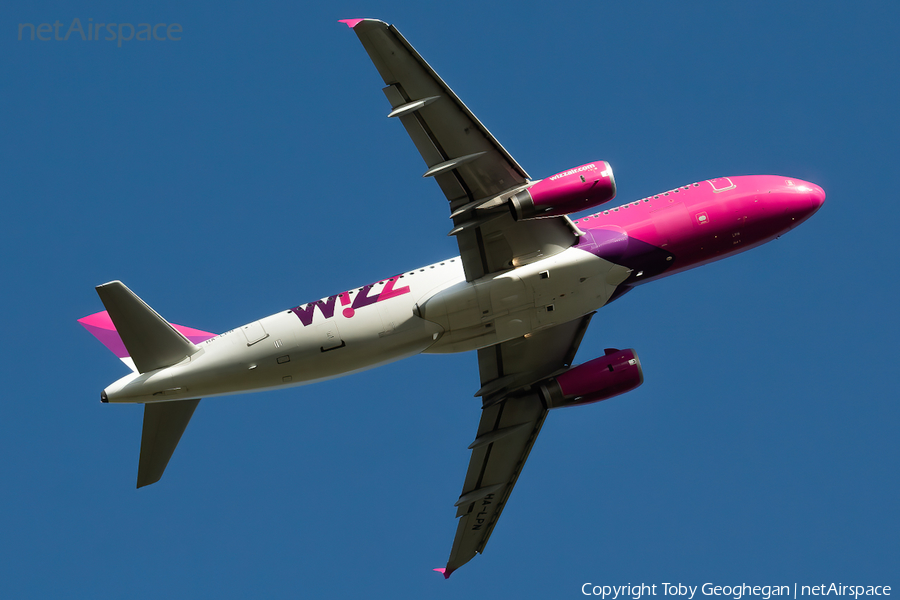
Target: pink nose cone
[
  {"x": 818, "y": 196},
  {"x": 803, "y": 200}
]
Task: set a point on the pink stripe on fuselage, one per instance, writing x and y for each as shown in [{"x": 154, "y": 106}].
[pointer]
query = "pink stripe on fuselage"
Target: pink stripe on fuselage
[{"x": 706, "y": 221}]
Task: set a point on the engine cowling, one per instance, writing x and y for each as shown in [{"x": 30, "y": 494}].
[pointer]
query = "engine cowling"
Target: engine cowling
[
  {"x": 573, "y": 190},
  {"x": 617, "y": 372}
]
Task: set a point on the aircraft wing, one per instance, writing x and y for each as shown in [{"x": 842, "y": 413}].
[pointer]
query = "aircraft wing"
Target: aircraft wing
[
  {"x": 468, "y": 163},
  {"x": 510, "y": 422}
]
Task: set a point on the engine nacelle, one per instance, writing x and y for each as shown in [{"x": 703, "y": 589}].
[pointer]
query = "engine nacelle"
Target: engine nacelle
[
  {"x": 567, "y": 192},
  {"x": 617, "y": 372}
]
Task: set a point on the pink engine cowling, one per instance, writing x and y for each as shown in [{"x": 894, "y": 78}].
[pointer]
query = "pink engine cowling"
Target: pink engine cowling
[
  {"x": 617, "y": 372},
  {"x": 567, "y": 192}
]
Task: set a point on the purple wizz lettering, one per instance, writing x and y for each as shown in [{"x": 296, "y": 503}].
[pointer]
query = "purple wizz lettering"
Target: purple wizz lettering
[
  {"x": 363, "y": 298},
  {"x": 306, "y": 314}
]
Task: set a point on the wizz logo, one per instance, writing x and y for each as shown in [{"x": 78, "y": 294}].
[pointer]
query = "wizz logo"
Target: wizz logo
[{"x": 307, "y": 312}]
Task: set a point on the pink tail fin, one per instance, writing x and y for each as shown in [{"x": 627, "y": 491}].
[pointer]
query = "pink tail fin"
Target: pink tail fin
[{"x": 100, "y": 325}]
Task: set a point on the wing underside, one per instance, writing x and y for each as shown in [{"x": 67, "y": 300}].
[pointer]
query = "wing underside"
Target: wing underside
[
  {"x": 467, "y": 162},
  {"x": 511, "y": 420}
]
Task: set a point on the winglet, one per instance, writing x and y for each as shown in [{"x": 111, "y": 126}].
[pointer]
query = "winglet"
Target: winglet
[
  {"x": 351, "y": 23},
  {"x": 445, "y": 572}
]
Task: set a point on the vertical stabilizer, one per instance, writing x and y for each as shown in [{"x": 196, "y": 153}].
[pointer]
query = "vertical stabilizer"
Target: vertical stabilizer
[{"x": 150, "y": 340}]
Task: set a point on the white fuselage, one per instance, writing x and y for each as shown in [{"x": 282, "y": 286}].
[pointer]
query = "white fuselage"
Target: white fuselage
[{"x": 431, "y": 309}]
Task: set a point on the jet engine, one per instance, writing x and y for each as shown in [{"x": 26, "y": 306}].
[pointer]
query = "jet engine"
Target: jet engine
[
  {"x": 577, "y": 189},
  {"x": 617, "y": 372}
]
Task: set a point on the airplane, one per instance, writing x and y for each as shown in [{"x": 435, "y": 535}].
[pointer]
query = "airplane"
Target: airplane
[{"x": 521, "y": 293}]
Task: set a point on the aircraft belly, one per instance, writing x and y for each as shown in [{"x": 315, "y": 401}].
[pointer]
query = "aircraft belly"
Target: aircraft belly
[
  {"x": 286, "y": 350},
  {"x": 505, "y": 306}
]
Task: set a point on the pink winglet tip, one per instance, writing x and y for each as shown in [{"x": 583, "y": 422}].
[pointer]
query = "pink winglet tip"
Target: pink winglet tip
[
  {"x": 351, "y": 23},
  {"x": 443, "y": 571}
]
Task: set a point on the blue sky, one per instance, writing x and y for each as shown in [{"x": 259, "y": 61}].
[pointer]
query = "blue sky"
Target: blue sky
[{"x": 249, "y": 167}]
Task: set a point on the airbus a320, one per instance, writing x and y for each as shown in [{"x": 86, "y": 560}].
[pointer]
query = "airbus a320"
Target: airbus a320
[{"x": 521, "y": 293}]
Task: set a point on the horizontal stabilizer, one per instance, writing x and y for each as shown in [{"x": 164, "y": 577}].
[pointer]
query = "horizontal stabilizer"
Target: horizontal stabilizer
[
  {"x": 101, "y": 327},
  {"x": 150, "y": 340},
  {"x": 164, "y": 422}
]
